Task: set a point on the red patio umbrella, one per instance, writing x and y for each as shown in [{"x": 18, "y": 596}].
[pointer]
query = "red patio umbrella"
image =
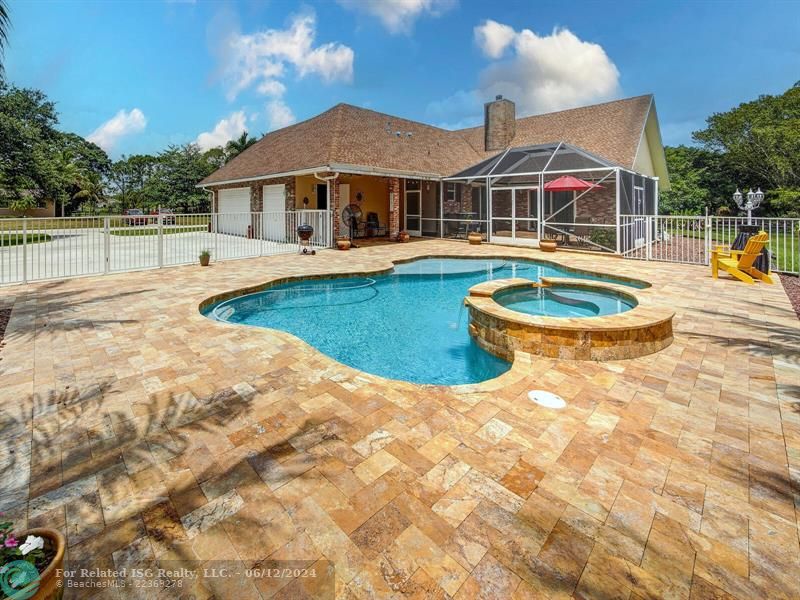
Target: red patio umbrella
[{"x": 568, "y": 183}]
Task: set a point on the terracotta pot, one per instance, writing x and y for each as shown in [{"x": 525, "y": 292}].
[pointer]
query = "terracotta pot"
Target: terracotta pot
[
  {"x": 402, "y": 236},
  {"x": 49, "y": 588},
  {"x": 343, "y": 244},
  {"x": 475, "y": 238},
  {"x": 548, "y": 245},
  {"x": 204, "y": 260}
]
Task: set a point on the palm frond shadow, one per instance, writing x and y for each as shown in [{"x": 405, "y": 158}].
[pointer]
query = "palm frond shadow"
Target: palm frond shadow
[
  {"x": 768, "y": 339},
  {"x": 61, "y": 447},
  {"x": 59, "y": 303}
]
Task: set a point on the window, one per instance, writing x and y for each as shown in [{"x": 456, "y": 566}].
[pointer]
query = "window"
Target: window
[{"x": 450, "y": 192}]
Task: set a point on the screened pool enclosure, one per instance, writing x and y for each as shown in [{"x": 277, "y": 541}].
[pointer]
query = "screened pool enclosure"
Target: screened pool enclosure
[{"x": 548, "y": 191}]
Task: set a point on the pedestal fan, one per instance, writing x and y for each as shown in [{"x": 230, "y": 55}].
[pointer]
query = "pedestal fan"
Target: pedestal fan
[{"x": 351, "y": 214}]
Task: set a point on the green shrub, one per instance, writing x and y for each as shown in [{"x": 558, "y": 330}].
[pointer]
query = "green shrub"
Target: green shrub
[{"x": 604, "y": 237}]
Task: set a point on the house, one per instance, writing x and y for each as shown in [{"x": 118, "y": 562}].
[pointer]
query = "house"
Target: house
[
  {"x": 434, "y": 182},
  {"x": 43, "y": 208}
]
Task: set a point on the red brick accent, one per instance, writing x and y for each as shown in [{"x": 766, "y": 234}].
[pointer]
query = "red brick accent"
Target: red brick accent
[{"x": 393, "y": 191}]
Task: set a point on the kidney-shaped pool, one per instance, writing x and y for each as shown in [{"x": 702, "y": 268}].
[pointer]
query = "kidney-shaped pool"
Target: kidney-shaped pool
[{"x": 408, "y": 324}]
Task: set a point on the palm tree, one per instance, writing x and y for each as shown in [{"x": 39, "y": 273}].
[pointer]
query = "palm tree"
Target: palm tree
[
  {"x": 237, "y": 146},
  {"x": 5, "y": 23},
  {"x": 91, "y": 191}
]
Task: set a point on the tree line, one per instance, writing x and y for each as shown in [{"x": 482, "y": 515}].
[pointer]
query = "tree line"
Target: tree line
[
  {"x": 756, "y": 144},
  {"x": 39, "y": 162}
]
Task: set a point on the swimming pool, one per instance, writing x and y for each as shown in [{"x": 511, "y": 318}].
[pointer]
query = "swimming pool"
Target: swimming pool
[{"x": 408, "y": 324}]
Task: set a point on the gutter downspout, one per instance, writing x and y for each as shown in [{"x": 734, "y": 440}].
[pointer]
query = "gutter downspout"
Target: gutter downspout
[{"x": 332, "y": 221}]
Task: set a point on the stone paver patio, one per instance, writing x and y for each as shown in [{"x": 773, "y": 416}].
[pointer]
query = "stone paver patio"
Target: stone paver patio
[{"x": 147, "y": 432}]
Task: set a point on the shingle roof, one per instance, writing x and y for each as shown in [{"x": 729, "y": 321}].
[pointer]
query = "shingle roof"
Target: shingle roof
[{"x": 349, "y": 135}]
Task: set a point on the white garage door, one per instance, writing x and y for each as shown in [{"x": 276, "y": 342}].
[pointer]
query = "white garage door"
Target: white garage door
[
  {"x": 275, "y": 213},
  {"x": 234, "y": 211}
]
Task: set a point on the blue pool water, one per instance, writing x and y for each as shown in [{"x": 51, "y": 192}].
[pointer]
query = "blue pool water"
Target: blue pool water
[
  {"x": 564, "y": 301},
  {"x": 409, "y": 324}
]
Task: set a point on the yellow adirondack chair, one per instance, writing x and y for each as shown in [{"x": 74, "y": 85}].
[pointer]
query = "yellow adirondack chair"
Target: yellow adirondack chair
[{"x": 739, "y": 263}]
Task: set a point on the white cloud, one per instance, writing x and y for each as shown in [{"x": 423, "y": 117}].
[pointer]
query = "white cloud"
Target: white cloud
[
  {"x": 279, "y": 114},
  {"x": 225, "y": 130},
  {"x": 493, "y": 38},
  {"x": 545, "y": 73},
  {"x": 398, "y": 16},
  {"x": 123, "y": 123},
  {"x": 262, "y": 58}
]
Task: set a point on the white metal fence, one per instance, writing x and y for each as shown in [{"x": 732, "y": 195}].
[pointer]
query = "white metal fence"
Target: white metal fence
[
  {"x": 33, "y": 249},
  {"x": 691, "y": 239}
]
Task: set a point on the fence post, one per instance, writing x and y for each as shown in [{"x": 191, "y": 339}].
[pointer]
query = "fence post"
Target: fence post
[
  {"x": 649, "y": 237},
  {"x": 106, "y": 244},
  {"x": 160, "y": 239},
  {"x": 24, "y": 250},
  {"x": 214, "y": 228},
  {"x": 707, "y": 244}
]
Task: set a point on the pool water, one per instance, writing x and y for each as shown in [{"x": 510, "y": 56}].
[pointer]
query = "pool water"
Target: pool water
[
  {"x": 409, "y": 324},
  {"x": 564, "y": 301}
]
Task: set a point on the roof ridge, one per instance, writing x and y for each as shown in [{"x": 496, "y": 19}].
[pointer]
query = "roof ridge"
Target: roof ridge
[{"x": 565, "y": 110}]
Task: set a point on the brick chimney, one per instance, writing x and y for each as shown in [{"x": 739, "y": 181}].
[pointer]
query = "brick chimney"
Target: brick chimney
[{"x": 499, "y": 123}]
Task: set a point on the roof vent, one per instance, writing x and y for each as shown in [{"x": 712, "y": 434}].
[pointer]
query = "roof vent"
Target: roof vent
[{"x": 498, "y": 97}]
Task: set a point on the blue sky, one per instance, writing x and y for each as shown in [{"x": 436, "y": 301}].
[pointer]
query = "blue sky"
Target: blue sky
[{"x": 136, "y": 76}]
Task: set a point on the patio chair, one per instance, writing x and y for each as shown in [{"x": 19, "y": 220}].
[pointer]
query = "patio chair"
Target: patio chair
[
  {"x": 373, "y": 226},
  {"x": 582, "y": 231},
  {"x": 739, "y": 263}
]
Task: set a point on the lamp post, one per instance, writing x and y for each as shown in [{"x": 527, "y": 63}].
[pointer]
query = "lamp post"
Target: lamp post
[{"x": 749, "y": 203}]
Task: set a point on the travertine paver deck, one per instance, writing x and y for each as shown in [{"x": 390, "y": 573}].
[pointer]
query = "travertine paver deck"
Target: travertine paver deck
[{"x": 145, "y": 431}]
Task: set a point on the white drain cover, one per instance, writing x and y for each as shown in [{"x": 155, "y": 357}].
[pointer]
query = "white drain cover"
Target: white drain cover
[{"x": 546, "y": 399}]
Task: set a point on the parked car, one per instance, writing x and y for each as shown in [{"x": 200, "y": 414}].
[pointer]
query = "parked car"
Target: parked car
[
  {"x": 134, "y": 216},
  {"x": 167, "y": 216}
]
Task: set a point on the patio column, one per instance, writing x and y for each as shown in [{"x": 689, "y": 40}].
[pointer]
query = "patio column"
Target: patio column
[
  {"x": 393, "y": 199},
  {"x": 334, "y": 205}
]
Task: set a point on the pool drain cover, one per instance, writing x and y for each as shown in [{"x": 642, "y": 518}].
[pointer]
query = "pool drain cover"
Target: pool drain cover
[{"x": 546, "y": 399}]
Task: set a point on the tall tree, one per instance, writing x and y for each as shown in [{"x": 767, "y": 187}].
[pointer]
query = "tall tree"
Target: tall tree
[
  {"x": 235, "y": 147},
  {"x": 5, "y": 24},
  {"x": 760, "y": 144}
]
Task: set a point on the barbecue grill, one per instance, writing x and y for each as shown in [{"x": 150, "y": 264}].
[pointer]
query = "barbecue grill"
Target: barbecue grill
[{"x": 304, "y": 233}]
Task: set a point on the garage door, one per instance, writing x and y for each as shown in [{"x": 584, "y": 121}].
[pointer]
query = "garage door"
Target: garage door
[
  {"x": 275, "y": 213},
  {"x": 234, "y": 211}
]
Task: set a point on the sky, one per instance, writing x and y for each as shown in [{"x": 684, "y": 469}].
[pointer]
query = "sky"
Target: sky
[{"x": 135, "y": 77}]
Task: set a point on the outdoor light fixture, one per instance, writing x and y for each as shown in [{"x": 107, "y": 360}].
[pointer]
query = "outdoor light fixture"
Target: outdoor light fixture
[{"x": 749, "y": 203}]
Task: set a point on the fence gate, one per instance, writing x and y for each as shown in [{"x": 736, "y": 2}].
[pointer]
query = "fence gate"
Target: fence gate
[{"x": 690, "y": 239}]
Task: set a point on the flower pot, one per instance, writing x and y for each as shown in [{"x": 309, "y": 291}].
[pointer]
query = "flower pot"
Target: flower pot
[
  {"x": 204, "y": 260},
  {"x": 474, "y": 238},
  {"x": 50, "y": 587},
  {"x": 402, "y": 236},
  {"x": 343, "y": 244},
  {"x": 548, "y": 245}
]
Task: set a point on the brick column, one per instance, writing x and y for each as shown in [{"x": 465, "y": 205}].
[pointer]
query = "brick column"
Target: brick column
[
  {"x": 393, "y": 190},
  {"x": 336, "y": 209}
]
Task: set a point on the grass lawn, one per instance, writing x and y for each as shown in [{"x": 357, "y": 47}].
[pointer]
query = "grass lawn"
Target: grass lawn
[
  {"x": 137, "y": 231},
  {"x": 15, "y": 224},
  {"x": 781, "y": 245},
  {"x": 16, "y": 239}
]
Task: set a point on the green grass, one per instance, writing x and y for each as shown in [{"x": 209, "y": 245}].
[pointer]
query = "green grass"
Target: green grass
[
  {"x": 782, "y": 260},
  {"x": 15, "y": 224},
  {"x": 137, "y": 231},
  {"x": 17, "y": 239}
]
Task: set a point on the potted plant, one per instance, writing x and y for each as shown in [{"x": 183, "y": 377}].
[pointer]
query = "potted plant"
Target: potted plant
[
  {"x": 34, "y": 567},
  {"x": 343, "y": 242},
  {"x": 475, "y": 238},
  {"x": 548, "y": 245},
  {"x": 402, "y": 236},
  {"x": 205, "y": 258}
]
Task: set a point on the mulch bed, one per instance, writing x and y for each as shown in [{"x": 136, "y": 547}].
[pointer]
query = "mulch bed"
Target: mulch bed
[
  {"x": 791, "y": 284},
  {"x": 5, "y": 317}
]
